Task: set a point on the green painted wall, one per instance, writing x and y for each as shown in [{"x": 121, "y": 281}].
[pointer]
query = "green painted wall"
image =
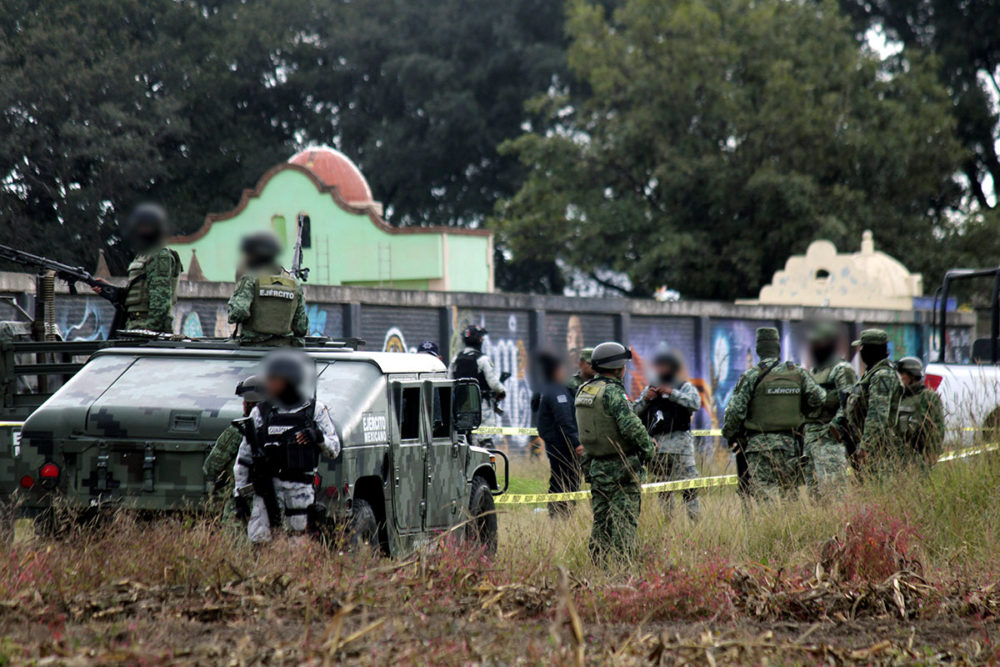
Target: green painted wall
[{"x": 346, "y": 248}]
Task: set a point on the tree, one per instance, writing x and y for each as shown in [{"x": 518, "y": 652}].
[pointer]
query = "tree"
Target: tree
[
  {"x": 964, "y": 39},
  {"x": 723, "y": 135}
]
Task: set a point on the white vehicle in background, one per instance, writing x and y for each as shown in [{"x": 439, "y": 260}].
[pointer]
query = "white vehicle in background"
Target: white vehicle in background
[{"x": 970, "y": 391}]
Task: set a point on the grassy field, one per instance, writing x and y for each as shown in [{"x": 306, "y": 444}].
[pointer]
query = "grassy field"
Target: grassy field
[{"x": 896, "y": 574}]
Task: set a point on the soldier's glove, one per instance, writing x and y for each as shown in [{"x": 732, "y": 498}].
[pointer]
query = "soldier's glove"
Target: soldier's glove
[
  {"x": 242, "y": 507},
  {"x": 111, "y": 292},
  {"x": 309, "y": 436}
]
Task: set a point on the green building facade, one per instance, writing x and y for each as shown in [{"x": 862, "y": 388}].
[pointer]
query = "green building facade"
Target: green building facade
[{"x": 345, "y": 239}]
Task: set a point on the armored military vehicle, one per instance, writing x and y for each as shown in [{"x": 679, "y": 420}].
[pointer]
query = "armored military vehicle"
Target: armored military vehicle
[{"x": 134, "y": 425}]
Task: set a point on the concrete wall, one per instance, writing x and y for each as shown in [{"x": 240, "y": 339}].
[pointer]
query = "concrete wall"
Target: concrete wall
[{"x": 715, "y": 338}]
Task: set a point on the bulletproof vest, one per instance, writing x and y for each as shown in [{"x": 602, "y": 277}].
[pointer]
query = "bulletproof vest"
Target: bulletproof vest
[
  {"x": 776, "y": 404},
  {"x": 137, "y": 295},
  {"x": 467, "y": 367},
  {"x": 286, "y": 458},
  {"x": 665, "y": 416},
  {"x": 275, "y": 297},
  {"x": 856, "y": 409},
  {"x": 824, "y": 378},
  {"x": 909, "y": 414},
  {"x": 599, "y": 433}
]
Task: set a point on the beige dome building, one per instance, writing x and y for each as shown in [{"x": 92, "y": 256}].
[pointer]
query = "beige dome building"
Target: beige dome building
[{"x": 824, "y": 277}]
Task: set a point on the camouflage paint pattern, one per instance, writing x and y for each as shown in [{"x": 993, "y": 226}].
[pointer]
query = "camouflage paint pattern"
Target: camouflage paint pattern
[
  {"x": 871, "y": 414},
  {"x": 616, "y": 500},
  {"x": 921, "y": 424},
  {"x": 162, "y": 270},
  {"x": 824, "y": 461}
]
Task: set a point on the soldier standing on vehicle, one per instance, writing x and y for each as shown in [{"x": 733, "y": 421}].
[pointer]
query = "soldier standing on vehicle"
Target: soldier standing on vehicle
[
  {"x": 666, "y": 408},
  {"x": 267, "y": 306},
  {"x": 557, "y": 428},
  {"x": 151, "y": 292},
  {"x": 279, "y": 454},
  {"x": 616, "y": 451},
  {"x": 921, "y": 414},
  {"x": 765, "y": 414},
  {"x": 867, "y": 423},
  {"x": 472, "y": 364},
  {"x": 825, "y": 459},
  {"x": 218, "y": 466},
  {"x": 584, "y": 371}
]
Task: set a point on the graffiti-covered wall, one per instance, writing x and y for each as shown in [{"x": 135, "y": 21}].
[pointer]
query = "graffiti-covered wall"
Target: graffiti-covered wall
[{"x": 715, "y": 340}]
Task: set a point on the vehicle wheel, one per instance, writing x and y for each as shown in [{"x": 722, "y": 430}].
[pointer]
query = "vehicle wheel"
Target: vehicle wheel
[
  {"x": 482, "y": 526},
  {"x": 364, "y": 527}
]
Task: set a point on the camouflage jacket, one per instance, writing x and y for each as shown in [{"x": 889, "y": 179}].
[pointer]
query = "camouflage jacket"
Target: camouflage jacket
[
  {"x": 162, "y": 269},
  {"x": 219, "y": 463},
  {"x": 738, "y": 408},
  {"x": 239, "y": 311},
  {"x": 574, "y": 383},
  {"x": 871, "y": 413},
  {"x": 630, "y": 427},
  {"x": 842, "y": 377},
  {"x": 921, "y": 422}
]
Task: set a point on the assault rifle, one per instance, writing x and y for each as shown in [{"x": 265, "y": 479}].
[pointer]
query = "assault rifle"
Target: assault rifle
[
  {"x": 297, "y": 270},
  {"x": 71, "y": 275},
  {"x": 260, "y": 477}
]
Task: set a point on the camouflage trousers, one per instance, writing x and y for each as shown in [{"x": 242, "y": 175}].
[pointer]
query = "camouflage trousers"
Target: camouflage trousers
[
  {"x": 616, "y": 500},
  {"x": 772, "y": 472},
  {"x": 489, "y": 418},
  {"x": 824, "y": 465},
  {"x": 294, "y": 499},
  {"x": 673, "y": 467}
]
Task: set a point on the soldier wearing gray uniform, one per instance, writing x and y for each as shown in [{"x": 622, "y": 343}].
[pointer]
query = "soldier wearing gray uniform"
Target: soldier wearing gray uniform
[
  {"x": 825, "y": 460},
  {"x": 666, "y": 409},
  {"x": 473, "y": 364},
  {"x": 291, "y": 431}
]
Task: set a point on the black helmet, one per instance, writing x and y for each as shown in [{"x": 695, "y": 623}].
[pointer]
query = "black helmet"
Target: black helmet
[
  {"x": 146, "y": 225},
  {"x": 252, "y": 389},
  {"x": 260, "y": 247},
  {"x": 912, "y": 366},
  {"x": 473, "y": 335},
  {"x": 609, "y": 356}
]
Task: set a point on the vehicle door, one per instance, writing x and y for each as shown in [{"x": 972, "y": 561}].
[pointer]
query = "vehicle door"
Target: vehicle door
[
  {"x": 445, "y": 480},
  {"x": 409, "y": 453}
]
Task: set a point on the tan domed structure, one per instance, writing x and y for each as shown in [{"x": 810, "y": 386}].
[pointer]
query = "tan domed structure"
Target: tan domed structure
[
  {"x": 823, "y": 277},
  {"x": 336, "y": 170}
]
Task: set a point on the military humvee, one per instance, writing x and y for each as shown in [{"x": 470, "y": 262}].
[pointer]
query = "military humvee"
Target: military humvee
[{"x": 134, "y": 425}]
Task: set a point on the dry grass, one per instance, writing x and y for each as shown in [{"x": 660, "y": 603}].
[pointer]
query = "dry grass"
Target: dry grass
[{"x": 893, "y": 574}]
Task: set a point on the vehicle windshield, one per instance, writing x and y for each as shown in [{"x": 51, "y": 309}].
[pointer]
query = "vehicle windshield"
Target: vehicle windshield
[
  {"x": 349, "y": 388},
  {"x": 182, "y": 384},
  {"x": 87, "y": 386}
]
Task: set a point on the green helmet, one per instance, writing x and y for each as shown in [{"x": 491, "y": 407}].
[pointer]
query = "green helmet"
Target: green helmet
[
  {"x": 609, "y": 356},
  {"x": 146, "y": 225},
  {"x": 911, "y": 366}
]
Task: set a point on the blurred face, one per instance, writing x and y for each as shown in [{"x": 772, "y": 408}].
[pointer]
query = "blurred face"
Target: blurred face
[
  {"x": 560, "y": 375},
  {"x": 276, "y": 386},
  {"x": 585, "y": 369},
  {"x": 664, "y": 370},
  {"x": 906, "y": 379}
]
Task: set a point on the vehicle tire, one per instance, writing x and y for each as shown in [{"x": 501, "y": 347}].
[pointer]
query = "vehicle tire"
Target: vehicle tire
[
  {"x": 482, "y": 526},
  {"x": 364, "y": 529}
]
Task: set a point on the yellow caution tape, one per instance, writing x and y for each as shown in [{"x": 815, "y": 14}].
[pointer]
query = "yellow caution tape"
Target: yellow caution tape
[
  {"x": 11, "y": 424},
  {"x": 709, "y": 433},
  {"x": 695, "y": 483}
]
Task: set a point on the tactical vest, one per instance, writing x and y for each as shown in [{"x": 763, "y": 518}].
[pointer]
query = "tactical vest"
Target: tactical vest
[
  {"x": 776, "y": 404},
  {"x": 665, "y": 416},
  {"x": 824, "y": 378},
  {"x": 286, "y": 458},
  {"x": 909, "y": 415},
  {"x": 275, "y": 298},
  {"x": 856, "y": 409},
  {"x": 137, "y": 294},
  {"x": 599, "y": 433},
  {"x": 467, "y": 368}
]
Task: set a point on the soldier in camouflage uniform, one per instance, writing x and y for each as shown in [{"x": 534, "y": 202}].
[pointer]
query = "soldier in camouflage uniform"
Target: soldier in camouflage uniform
[
  {"x": 267, "y": 305},
  {"x": 867, "y": 423},
  {"x": 585, "y": 372},
  {"x": 825, "y": 460},
  {"x": 666, "y": 408},
  {"x": 151, "y": 292},
  {"x": 616, "y": 451},
  {"x": 765, "y": 416},
  {"x": 921, "y": 415},
  {"x": 218, "y": 466}
]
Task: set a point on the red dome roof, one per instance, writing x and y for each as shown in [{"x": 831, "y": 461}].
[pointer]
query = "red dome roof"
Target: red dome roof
[{"x": 334, "y": 168}]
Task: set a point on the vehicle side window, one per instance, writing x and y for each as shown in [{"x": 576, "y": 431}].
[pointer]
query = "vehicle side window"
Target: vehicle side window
[
  {"x": 409, "y": 414},
  {"x": 441, "y": 414}
]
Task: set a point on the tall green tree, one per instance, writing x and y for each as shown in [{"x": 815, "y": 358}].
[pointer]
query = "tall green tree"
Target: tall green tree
[{"x": 723, "y": 135}]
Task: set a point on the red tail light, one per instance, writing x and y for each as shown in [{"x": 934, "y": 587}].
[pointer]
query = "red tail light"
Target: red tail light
[
  {"x": 933, "y": 381},
  {"x": 316, "y": 481},
  {"x": 49, "y": 471},
  {"x": 27, "y": 482}
]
